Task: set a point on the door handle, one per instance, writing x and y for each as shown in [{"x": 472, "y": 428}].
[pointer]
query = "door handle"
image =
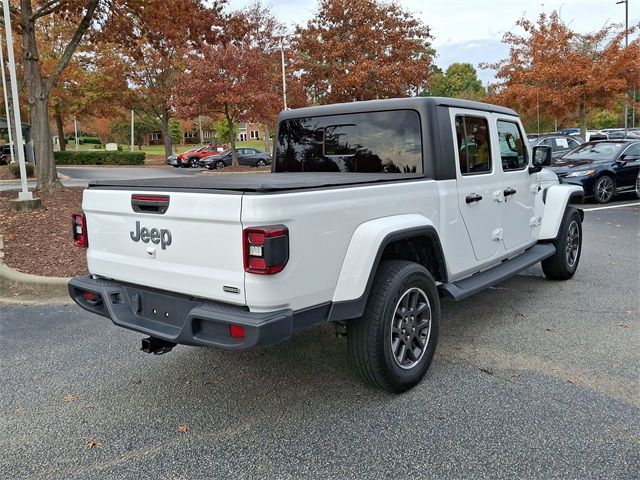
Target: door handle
[
  {"x": 509, "y": 191},
  {"x": 474, "y": 197}
]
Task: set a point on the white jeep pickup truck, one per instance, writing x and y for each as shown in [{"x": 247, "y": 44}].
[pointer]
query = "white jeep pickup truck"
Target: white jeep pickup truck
[{"x": 373, "y": 211}]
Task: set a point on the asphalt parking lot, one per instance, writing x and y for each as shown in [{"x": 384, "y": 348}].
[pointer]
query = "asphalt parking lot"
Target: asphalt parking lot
[{"x": 532, "y": 379}]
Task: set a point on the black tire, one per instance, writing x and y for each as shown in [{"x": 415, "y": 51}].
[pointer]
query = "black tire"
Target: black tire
[
  {"x": 261, "y": 163},
  {"x": 194, "y": 162},
  {"x": 370, "y": 338},
  {"x": 220, "y": 164},
  {"x": 638, "y": 186},
  {"x": 604, "y": 189},
  {"x": 561, "y": 265}
]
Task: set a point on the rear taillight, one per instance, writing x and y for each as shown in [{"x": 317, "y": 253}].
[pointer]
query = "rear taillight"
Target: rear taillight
[
  {"x": 266, "y": 249},
  {"x": 79, "y": 226}
]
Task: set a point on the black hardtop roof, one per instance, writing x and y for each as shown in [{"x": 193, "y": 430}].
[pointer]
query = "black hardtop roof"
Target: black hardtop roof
[{"x": 392, "y": 104}]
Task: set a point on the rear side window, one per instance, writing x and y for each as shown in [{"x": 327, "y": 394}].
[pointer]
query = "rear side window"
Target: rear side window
[
  {"x": 474, "y": 148},
  {"x": 372, "y": 142},
  {"x": 512, "y": 149}
]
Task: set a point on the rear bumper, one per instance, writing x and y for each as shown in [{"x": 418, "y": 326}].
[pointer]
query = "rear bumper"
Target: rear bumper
[{"x": 180, "y": 319}]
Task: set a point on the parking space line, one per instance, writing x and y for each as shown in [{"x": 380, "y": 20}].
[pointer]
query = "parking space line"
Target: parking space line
[{"x": 611, "y": 206}]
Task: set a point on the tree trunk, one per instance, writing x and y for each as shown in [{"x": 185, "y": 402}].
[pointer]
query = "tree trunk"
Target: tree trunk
[
  {"x": 38, "y": 98},
  {"x": 232, "y": 137},
  {"x": 583, "y": 120},
  {"x": 267, "y": 142},
  {"x": 60, "y": 128},
  {"x": 168, "y": 143}
]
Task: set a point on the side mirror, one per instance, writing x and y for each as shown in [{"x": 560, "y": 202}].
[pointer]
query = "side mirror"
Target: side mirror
[
  {"x": 624, "y": 158},
  {"x": 541, "y": 158}
]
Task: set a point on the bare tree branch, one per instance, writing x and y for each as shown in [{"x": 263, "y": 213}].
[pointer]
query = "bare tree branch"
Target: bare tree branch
[
  {"x": 45, "y": 9},
  {"x": 73, "y": 43}
]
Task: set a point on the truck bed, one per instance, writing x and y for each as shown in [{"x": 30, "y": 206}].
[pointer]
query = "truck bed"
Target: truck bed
[{"x": 255, "y": 182}]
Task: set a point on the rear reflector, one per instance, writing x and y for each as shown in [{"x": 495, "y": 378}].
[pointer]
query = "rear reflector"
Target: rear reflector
[
  {"x": 237, "y": 331},
  {"x": 266, "y": 249},
  {"x": 79, "y": 229}
]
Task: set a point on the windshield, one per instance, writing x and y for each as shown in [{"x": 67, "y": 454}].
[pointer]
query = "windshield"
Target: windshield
[{"x": 594, "y": 151}]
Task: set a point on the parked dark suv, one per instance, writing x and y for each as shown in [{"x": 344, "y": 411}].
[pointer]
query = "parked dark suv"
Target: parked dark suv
[{"x": 603, "y": 168}]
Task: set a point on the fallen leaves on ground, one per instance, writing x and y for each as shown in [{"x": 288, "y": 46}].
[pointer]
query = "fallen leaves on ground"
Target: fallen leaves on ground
[
  {"x": 93, "y": 444},
  {"x": 69, "y": 397},
  {"x": 184, "y": 427},
  {"x": 571, "y": 381},
  {"x": 549, "y": 328},
  {"x": 625, "y": 325},
  {"x": 20, "y": 409}
]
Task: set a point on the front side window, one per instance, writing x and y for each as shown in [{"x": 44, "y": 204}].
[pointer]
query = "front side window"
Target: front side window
[
  {"x": 372, "y": 142},
  {"x": 512, "y": 150},
  {"x": 633, "y": 150},
  {"x": 474, "y": 148}
]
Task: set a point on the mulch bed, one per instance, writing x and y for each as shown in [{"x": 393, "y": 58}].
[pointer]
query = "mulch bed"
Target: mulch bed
[
  {"x": 5, "y": 174},
  {"x": 40, "y": 242}
]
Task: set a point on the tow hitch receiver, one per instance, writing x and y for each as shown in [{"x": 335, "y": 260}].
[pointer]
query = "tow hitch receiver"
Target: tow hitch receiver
[{"x": 156, "y": 346}]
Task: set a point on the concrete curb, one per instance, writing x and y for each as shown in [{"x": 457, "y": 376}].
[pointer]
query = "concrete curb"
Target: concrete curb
[{"x": 14, "y": 284}]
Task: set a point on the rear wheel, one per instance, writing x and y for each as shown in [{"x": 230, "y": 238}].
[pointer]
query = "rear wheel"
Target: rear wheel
[
  {"x": 392, "y": 344},
  {"x": 604, "y": 189},
  {"x": 564, "y": 263},
  {"x": 194, "y": 162}
]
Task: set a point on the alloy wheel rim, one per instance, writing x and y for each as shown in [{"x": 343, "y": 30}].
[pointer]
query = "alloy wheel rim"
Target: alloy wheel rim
[
  {"x": 573, "y": 243},
  {"x": 410, "y": 328},
  {"x": 605, "y": 189},
  {"x": 638, "y": 185}
]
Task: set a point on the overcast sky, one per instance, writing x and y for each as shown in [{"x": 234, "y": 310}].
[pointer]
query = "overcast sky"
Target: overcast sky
[{"x": 471, "y": 30}]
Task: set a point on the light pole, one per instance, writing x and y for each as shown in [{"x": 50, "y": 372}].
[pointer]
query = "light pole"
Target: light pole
[
  {"x": 24, "y": 196},
  {"x": 538, "y": 108},
  {"x": 132, "y": 131},
  {"x": 626, "y": 45},
  {"x": 75, "y": 129},
  {"x": 284, "y": 77},
  {"x": 6, "y": 102}
]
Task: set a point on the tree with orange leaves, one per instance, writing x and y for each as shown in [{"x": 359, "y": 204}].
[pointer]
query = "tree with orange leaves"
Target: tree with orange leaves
[
  {"x": 361, "y": 50},
  {"x": 565, "y": 73},
  {"x": 232, "y": 80}
]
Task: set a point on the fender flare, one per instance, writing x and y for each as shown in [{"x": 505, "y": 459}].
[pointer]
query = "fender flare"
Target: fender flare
[
  {"x": 556, "y": 199},
  {"x": 364, "y": 254}
]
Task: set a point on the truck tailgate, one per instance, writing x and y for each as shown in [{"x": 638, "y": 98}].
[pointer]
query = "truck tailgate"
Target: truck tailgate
[{"x": 194, "y": 247}]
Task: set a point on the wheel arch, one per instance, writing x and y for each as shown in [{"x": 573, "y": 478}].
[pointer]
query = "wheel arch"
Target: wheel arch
[
  {"x": 557, "y": 198},
  {"x": 413, "y": 238}
]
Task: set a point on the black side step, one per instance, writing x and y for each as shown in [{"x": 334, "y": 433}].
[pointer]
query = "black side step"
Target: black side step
[{"x": 468, "y": 286}]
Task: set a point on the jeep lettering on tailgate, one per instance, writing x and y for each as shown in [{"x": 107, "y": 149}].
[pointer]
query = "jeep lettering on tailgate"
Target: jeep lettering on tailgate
[{"x": 162, "y": 237}]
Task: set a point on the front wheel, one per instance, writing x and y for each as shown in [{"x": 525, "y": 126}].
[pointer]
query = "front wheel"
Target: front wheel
[
  {"x": 391, "y": 346},
  {"x": 638, "y": 186},
  {"x": 220, "y": 164},
  {"x": 564, "y": 263},
  {"x": 261, "y": 163},
  {"x": 604, "y": 189}
]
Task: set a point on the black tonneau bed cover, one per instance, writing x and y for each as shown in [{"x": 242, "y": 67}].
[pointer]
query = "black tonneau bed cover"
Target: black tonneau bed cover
[{"x": 255, "y": 182}]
